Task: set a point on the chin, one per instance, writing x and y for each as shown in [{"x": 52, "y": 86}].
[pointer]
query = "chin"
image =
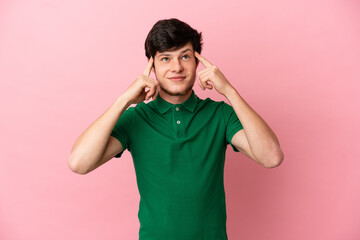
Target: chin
[{"x": 173, "y": 92}]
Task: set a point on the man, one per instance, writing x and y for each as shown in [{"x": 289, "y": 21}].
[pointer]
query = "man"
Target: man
[{"x": 177, "y": 141}]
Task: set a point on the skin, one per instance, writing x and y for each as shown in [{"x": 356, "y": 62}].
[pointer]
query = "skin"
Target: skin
[
  {"x": 95, "y": 146},
  {"x": 256, "y": 140},
  {"x": 166, "y": 66},
  {"x": 170, "y": 65}
]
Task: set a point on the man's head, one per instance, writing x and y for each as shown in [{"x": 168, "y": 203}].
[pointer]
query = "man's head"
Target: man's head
[
  {"x": 171, "y": 34},
  {"x": 172, "y": 45}
]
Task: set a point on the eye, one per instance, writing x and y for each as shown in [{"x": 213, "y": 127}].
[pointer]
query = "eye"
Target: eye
[
  {"x": 186, "y": 57},
  {"x": 164, "y": 59}
]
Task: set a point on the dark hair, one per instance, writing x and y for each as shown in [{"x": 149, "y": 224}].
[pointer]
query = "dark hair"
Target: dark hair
[{"x": 171, "y": 34}]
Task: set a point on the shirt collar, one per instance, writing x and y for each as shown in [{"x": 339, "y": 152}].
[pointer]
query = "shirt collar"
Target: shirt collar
[{"x": 164, "y": 106}]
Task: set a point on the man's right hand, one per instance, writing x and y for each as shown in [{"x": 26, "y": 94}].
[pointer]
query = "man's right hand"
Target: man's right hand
[{"x": 137, "y": 90}]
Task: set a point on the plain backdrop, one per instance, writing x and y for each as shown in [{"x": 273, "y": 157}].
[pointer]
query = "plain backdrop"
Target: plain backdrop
[{"x": 297, "y": 63}]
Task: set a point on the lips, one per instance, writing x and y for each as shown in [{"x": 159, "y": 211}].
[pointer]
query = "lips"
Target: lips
[{"x": 176, "y": 78}]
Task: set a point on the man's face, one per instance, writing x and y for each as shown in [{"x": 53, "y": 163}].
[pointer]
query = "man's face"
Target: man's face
[{"x": 175, "y": 70}]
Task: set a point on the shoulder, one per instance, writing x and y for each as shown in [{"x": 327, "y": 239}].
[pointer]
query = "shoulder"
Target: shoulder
[
  {"x": 220, "y": 109},
  {"x": 129, "y": 111},
  {"x": 144, "y": 110},
  {"x": 137, "y": 108},
  {"x": 209, "y": 103}
]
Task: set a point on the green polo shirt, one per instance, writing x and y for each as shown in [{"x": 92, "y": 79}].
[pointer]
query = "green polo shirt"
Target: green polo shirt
[{"x": 178, "y": 152}]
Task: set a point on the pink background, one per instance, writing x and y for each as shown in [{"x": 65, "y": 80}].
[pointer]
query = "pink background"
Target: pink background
[{"x": 297, "y": 63}]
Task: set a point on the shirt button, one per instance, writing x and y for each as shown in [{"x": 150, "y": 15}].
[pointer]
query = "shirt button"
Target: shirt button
[
  {"x": 178, "y": 122},
  {"x": 177, "y": 108}
]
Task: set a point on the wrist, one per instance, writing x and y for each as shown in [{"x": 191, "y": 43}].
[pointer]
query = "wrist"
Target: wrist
[
  {"x": 229, "y": 91},
  {"x": 123, "y": 101}
]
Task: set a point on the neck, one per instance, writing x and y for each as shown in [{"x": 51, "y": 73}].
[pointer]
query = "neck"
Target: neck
[{"x": 174, "y": 99}]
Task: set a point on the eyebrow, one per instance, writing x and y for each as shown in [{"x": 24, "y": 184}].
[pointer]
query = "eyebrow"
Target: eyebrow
[{"x": 169, "y": 54}]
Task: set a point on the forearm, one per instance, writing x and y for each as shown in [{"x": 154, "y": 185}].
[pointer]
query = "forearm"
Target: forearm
[
  {"x": 90, "y": 146},
  {"x": 262, "y": 140}
]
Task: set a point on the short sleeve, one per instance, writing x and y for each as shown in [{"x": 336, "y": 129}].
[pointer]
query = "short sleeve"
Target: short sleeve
[
  {"x": 233, "y": 124},
  {"x": 122, "y": 129}
]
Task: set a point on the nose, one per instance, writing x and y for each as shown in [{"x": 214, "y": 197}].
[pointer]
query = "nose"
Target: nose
[{"x": 176, "y": 66}]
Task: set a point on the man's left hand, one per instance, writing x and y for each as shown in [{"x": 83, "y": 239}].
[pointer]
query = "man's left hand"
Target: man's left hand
[{"x": 211, "y": 74}]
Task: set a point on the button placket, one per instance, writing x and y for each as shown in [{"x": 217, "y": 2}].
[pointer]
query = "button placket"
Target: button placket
[{"x": 178, "y": 120}]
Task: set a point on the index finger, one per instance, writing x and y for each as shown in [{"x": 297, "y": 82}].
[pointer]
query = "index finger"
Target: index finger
[
  {"x": 205, "y": 62},
  {"x": 147, "y": 70}
]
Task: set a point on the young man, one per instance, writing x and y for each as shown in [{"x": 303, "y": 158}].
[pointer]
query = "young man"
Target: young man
[{"x": 177, "y": 141}]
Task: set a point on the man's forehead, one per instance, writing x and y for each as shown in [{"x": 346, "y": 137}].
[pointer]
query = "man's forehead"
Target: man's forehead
[{"x": 177, "y": 50}]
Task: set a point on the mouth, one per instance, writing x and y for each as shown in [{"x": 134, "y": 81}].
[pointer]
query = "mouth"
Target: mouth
[{"x": 177, "y": 78}]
